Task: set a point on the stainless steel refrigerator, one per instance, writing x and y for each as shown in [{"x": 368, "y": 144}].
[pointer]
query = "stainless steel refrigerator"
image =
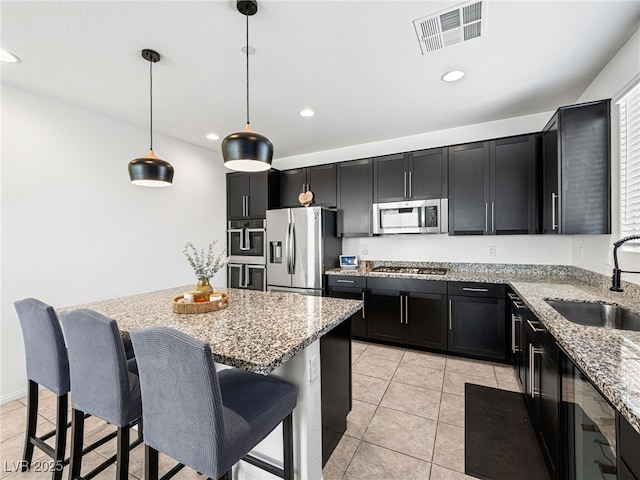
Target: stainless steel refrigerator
[{"x": 302, "y": 244}]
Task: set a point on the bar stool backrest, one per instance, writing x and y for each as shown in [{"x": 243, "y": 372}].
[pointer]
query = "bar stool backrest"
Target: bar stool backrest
[
  {"x": 181, "y": 399},
  {"x": 99, "y": 376},
  {"x": 45, "y": 350}
]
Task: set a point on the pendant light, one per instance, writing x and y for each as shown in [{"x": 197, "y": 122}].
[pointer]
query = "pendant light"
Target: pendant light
[
  {"x": 247, "y": 150},
  {"x": 150, "y": 170}
]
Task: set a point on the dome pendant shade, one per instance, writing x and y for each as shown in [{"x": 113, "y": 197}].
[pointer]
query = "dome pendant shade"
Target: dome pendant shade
[
  {"x": 247, "y": 151},
  {"x": 150, "y": 171}
]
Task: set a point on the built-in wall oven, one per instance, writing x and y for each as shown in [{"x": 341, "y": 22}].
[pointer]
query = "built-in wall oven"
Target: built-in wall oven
[{"x": 247, "y": 242}]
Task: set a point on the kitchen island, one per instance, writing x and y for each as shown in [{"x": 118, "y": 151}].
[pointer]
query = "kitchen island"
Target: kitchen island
[{"x": 266, "y": 333}]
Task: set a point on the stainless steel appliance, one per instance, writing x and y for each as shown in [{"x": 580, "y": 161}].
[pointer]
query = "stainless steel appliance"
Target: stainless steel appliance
[
  {"x": 412, "y": 270},
  {"x": 302, "y": 244},
  {"x": 416, "y": 216},
  {"x": 247, "y": 244}
]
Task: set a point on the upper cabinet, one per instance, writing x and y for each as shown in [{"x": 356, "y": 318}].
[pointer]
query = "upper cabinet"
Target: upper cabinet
[
  {"x": 493, "y": 186},
  {"x": 320, "y": 180},
  {"x": 577, "y": 170},
  {"x": 355, "y": 188},
  {"x": 249, "y": 195},
  {"x": 410, "y": 176}
]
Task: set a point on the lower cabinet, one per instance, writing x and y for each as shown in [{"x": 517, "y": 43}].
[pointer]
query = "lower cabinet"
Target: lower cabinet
[
  {"x": 628, "y": 449},
  {"x": 477, "y": 320},
  {"x": 335, "y": 385},
  {"x": 351, "y": 287},
  {"x": 408, "y": 312}
]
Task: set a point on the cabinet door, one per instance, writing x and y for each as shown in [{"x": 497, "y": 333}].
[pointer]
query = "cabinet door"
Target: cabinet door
[
  {"x": 358, "y": 320},
  {"x": 469, "y": 189},
  {"x": 321, "y": 180},
  {"x": 292, "y": 184},
  {"x": 513, "y": 185},
  {"x": 550, "y": 190},
  {"x": 390, "y": 179},
  {"x": 548, "y": 397},
  {"x": 258, "y": 194},
  {"x": 384, "y": 315},
  {"x": 236, "y": 192},
  {"x": 426, "y": 320},
  {"x": 355, "y": 185},
  {"x": 477, "y": 326},
  {"x": 428, "y": 174}
]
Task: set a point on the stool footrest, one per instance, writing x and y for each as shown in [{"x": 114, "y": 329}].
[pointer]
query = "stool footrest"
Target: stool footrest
[{"x": 272, "y": 469}]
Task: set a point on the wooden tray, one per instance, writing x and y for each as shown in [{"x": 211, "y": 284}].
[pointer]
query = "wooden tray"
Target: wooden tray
[{"x": 200, "y": 307}]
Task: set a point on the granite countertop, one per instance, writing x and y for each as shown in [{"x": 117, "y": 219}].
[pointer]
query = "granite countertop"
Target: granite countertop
[
  {"x": 610, "y": 357},
  {"x": 258, "y": 332}
]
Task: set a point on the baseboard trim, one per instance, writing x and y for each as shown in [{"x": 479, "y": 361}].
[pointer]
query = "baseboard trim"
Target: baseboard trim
[{"x": 13, "y": 396}]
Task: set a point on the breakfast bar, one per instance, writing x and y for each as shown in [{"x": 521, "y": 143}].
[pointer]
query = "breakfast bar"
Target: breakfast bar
[{"x": 266, "y": 333}]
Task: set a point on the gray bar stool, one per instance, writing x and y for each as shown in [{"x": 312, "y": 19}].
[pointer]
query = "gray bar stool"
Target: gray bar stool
[
  {"x": 47, "y": 365},
  {"x": 102, "y": 385},
  {"x": 205, "y": 419}
]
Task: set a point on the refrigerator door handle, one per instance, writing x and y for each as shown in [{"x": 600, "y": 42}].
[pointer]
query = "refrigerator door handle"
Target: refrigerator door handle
[
  {"x": 287, "y": 248},
  {"x": 293, "y": 248}
]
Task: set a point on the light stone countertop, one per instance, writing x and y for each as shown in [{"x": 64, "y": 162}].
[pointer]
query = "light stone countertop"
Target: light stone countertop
[
  {"x": 258, "y": 331},
  {"x": 610, "y": 357}
]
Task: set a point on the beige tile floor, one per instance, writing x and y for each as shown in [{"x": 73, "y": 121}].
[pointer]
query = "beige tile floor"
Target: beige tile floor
[{"x": 407, "y": 421}]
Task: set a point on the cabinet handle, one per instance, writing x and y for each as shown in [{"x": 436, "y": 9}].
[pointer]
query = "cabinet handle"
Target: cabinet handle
[
  {"x": 513, "y": 296},
  {"x": 486, "y": 217},
  {"x": 493, "y": 226},
  {"x": 405, "y": 184},
  {"x": 450, "y": 308},
  {"x": 531, "y": 366},
  {"x": 401, "y": 311},
  {"x": 363, "y": 316},
  {"x": 406, "y": 309},
  {"x": 554, "y": 203},
  {"x": 518, "y": 304},
  {"x": 534, "y": 328},
  {"x": 308, "y": 188},
  {"x": 410, "y": 189},
  {"x": 469, "y": 289},
  {"x": 247, "y": 197},
  {"x": 514, "y": 319},
  {"x": 346, "y": 281}
]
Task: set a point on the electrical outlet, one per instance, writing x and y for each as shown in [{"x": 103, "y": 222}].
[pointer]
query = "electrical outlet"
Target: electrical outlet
[
  {"x": 364, "y": 250},
  {"x": 314, "y": 368},
  {"x": 492, "y": 250},
  {"x": 581, "y": 253}
]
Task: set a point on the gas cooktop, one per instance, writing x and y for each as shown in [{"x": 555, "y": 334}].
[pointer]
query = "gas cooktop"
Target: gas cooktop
[{"x": 411, "y": 271}]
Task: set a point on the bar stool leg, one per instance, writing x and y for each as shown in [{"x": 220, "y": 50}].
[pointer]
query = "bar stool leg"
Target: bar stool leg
[
  {"x": 61, "y": 436},
  {"x": 122, "y": 459},
  {"x": 77, "y": 437},
  {"x": 32, "y": 421},
  {"x": 150, "y": 463},
  {"x": 287, "y": 441}
]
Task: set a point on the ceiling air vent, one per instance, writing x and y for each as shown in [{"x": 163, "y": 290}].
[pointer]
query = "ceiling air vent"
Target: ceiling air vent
[{"x": 450, "y": 26}]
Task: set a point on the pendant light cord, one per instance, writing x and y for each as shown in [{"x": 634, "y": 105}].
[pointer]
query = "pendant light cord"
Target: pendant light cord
[
  {"x": 247, "y": 52},
  {"x": 151, "y": 105}
]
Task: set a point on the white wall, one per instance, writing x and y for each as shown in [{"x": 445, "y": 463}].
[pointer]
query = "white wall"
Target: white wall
[
  {"x": 75, "y": 230},
  {"x": 594, "y": 252}
]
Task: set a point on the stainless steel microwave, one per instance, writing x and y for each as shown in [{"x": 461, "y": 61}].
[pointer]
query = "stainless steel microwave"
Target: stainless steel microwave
[{"x": 416, "y": 216}]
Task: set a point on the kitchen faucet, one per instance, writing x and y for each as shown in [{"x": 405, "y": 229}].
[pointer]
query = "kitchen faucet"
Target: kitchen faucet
[{"x": 615, "y": 280}]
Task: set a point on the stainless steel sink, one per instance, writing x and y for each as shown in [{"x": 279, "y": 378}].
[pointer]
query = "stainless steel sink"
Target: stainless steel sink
[{"x": 597, "y": 314}]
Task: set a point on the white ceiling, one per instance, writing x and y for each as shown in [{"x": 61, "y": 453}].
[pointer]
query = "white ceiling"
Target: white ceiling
[{"x": 357, "y": 63}]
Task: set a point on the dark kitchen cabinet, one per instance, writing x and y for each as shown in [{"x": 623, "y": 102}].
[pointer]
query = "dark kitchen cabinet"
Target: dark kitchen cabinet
[
  {"x": 352, "y": 287},
  {"x": 409, "y": 312},
  {"x": 493, "y": 186},
  {"x": 355, "y": 195},
  {"x": 576, "y": 145},
  {"x": 542, "y": 390},
  {"x": 320, "y": 179},
  {"x": 477, "y": 319},
  {"x": 628, "y": 448},
  {"x": 518, "y": 339},
  {"x": 249, "y": 195},
  {"x": 416, "y": 175}
]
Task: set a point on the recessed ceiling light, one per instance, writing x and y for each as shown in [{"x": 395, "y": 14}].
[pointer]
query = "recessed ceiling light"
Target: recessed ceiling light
[
  {"x": 213, "y": 136},
  {"x": 8, "y": 57},
  {"x": 453, "y": 76},
  {"x": 307, "y": 112}
]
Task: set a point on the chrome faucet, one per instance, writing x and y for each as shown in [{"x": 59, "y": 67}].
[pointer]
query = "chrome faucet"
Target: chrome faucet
[{"x": 615, "y": 279}]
